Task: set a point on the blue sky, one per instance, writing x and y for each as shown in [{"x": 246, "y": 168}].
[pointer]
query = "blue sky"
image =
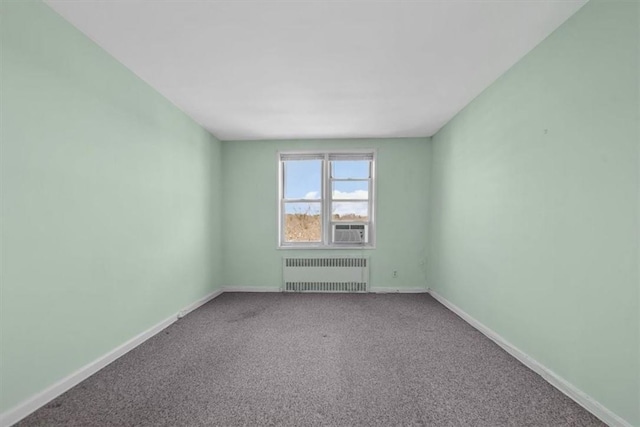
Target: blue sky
[{"x": 303, "y": 179}]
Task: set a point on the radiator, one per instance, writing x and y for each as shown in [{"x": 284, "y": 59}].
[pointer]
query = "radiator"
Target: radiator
[{"x": 325, "y": 274}]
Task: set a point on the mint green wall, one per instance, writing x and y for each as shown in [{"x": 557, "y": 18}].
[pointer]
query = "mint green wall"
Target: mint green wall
[
  {"x": 534, "y": 205},
  {"x": 110, "y": 205},
  {"x": 250, "y": 191},
  {"x": 110, "y": 216}
]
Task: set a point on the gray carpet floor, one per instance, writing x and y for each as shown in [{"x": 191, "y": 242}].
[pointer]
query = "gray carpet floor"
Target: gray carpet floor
[{"x": 315, "y": 359}]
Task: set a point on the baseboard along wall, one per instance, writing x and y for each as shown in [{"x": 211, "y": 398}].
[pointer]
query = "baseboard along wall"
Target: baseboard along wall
[
  {"x": 382, "y": 290},
  {"x": 580, "y": 397},
  {"x": 35, "y": 402},
  {"x": 40, "y": 399},
  {"x": 251, "y": 289}
]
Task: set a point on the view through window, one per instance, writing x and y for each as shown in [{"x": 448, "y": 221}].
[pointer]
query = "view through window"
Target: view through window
[{"x": 326, "y": 199}]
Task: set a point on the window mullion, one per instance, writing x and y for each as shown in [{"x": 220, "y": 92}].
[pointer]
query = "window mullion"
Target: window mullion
[
  {"x": 350, "y": 200},
  {"x": 283, "y": 222},
  {"x": 326, "y": 204},
  {"x": 282, "y": 172},
  {"x": 302, "y": 200}
]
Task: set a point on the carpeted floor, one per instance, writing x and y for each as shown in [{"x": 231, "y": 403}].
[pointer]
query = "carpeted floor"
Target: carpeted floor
[{"x": 315, "y": 359}]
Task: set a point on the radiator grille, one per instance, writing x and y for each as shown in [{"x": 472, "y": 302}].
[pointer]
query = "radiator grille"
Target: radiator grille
[
  {"x": 325, "y": 262},
  {"x": 347, "y": 274},
  {"x": 326, "y": 286}
]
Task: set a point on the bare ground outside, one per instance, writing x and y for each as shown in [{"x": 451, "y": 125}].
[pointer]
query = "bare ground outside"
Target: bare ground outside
[{"x": 308, "y": 228}]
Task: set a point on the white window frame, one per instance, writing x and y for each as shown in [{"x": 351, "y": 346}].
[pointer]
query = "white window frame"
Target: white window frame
[{"x": 326, "y": 199}]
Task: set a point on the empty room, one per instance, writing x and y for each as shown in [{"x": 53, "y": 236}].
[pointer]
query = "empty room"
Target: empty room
[{"x": 322, "y": 213}]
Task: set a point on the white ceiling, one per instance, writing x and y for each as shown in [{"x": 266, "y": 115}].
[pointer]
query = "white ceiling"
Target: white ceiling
[{"x": 318, "y": 69}]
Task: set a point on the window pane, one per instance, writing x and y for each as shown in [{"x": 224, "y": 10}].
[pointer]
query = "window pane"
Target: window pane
[
  {"x": 350, "y": 190},
  {"x": 350, "y": 169},
  {"x": 302, "y": 222},
  {"x": 302, "y": 179},
  {"x": 350, "y": 211}
]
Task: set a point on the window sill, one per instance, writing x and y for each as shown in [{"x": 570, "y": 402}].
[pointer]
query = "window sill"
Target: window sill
[{"x": 325, "y": 248}]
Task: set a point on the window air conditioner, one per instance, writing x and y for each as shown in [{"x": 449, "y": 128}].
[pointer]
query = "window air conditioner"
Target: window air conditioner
[{"x": 350, "y": 233}]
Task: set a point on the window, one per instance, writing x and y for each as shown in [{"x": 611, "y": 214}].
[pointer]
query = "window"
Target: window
[{"x": 326, "y": 199}]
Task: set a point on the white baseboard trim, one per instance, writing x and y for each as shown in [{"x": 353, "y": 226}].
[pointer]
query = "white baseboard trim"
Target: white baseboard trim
[
  {"x": 40, "y": 399},
  {"x": 197, "y": 304},
  {"x": 580, "y": 397},
  {"x": 376, "y": 290},
  {"x": 381, "y": 290},
  {"x": 250, "y": 289},
  {"x": 35, "y": 402}
]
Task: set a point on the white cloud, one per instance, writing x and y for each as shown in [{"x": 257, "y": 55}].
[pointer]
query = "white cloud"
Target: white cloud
[
  {"x": 354, "y": 208},
  {"x": 358, "y": 194},
  {"x": 341, "y": 195},
  {"x": 345, "y": 208},
  {"x": 312, "y": 195}
]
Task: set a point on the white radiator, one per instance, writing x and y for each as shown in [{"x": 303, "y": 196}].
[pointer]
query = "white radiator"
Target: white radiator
[{"x": 325, "y": 274}]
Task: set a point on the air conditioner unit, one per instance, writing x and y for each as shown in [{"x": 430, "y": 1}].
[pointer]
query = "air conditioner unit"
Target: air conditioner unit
[{"x": 350, "y": 233}]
